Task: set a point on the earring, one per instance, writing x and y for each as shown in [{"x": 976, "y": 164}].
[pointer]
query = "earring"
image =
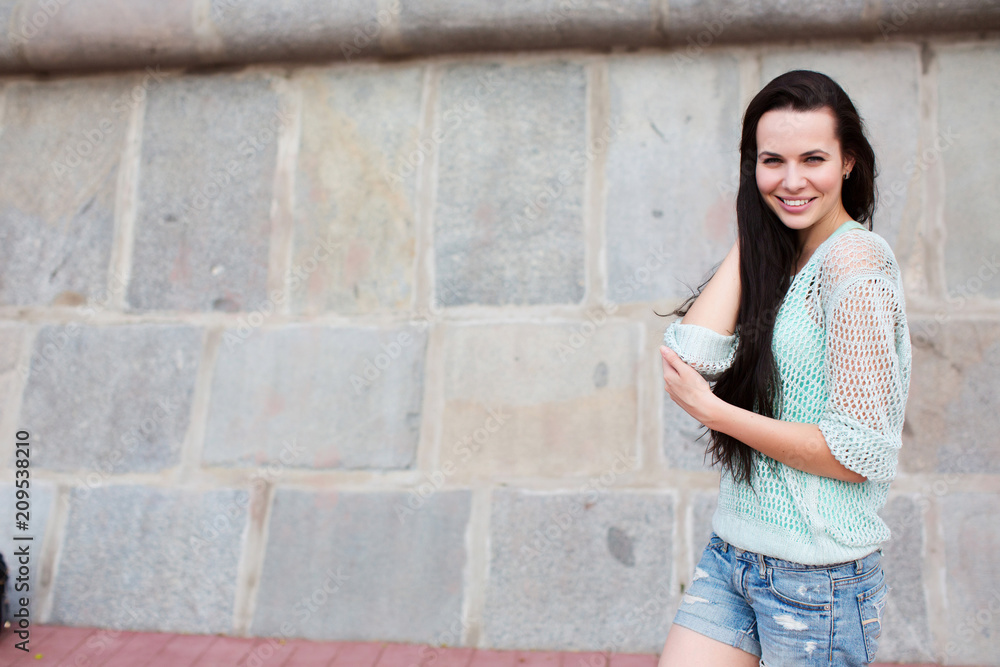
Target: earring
[{"x": 847, "y": 175}]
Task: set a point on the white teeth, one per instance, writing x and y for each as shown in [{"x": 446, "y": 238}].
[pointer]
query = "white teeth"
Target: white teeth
[{"x": 795, "y": 202}]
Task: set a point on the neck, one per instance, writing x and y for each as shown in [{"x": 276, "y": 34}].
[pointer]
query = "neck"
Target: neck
[{"x": 810, "y": 239}]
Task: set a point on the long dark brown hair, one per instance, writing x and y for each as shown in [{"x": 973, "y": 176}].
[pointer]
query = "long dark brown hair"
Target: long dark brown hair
[{"x": 769, "y": 252}]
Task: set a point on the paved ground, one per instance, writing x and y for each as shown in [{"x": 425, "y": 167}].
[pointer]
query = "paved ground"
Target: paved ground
[{"x": 87, "y": 647}]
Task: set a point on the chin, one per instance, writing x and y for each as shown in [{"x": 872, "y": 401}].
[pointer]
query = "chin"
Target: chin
[{"x": 797, "y": 225}]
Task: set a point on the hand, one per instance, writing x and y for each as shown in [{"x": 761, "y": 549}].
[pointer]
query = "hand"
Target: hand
[{"x": 686, "y": 386}]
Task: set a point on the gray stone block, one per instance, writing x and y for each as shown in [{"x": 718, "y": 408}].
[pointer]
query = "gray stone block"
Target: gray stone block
[
  {"x": 539, "y": 400},
  {"x": 906, "y": 631},
  {"x": 111, "y": 399},
  {"x": 681, "y": 445},
  {"x": 257, "y": 30},
  {"x": 476, "y": 26},
  {"x": 579, "y": 570},
  {"x": 202, "y": 230},
  {"x": 951, "y": 417},
  {"x": 700, "y": 510},
  {"x": 60, "y": 172},
  {"x": 883, "y": 83},
  {"x": 40, "y": 498},
  {"x": 968, "y": 75},
  {"x": 700, "y": 521},
  {"x": 971, "y": 536},
  {"x": 356, "y": 190},
  {"x": 140, "y": 558},
  {"x": 342, "y": 566},
  {"x": 109, "y": 34},
  {"x": 317, "y": 397},
  {"x": 508, "y": 221},
  {"x": 671, "y": 173},
  {"x": 10, "y": 365}
]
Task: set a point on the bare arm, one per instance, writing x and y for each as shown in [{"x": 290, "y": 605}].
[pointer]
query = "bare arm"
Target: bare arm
[
  {"x": 717, "y": 305},
  {"x": 800, "y": 446}
]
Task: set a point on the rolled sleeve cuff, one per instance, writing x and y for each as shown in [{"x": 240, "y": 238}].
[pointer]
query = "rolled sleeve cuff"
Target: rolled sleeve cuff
[
  {"x": 861, "y": 449},
  {"x": 708, "y": 352}
]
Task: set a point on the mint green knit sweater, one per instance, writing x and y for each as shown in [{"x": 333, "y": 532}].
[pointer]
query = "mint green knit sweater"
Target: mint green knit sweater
[{"x": 842, "y": 347}]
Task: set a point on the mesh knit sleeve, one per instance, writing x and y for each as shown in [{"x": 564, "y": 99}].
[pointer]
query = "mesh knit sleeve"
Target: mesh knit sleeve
[
  {"x": 867, "y": 368},
  {"x": 707, "y": 351}
]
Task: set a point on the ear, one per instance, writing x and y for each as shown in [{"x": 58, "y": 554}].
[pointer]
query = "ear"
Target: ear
[{"x": 848, "y": 163}]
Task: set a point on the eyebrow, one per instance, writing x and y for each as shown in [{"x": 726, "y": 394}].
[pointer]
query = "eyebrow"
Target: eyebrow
[{"x": 806, "y": 154}]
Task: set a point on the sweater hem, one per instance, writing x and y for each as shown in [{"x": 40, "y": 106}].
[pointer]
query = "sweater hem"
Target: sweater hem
[{"x": 770, "y": 540}]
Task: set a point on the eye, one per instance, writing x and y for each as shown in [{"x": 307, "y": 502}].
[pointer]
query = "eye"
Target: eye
[
  {"x": 770, "y": 160},
  {"x": 817, "y": 158}
]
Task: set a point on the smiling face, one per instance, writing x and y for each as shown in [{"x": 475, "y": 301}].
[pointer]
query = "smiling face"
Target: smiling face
[{"x": 800, "y": 171}]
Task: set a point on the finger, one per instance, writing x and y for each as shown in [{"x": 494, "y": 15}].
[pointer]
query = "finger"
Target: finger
[
  {"x": 668, "y": 369},
  {"x": 671, "y": 358}
]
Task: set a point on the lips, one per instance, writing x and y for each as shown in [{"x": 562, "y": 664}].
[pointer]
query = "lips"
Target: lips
[{"x": 795, "y": 205}]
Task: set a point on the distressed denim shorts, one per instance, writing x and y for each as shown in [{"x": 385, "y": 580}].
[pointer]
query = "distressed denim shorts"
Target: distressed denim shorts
[{"x": 787, "y": 613}]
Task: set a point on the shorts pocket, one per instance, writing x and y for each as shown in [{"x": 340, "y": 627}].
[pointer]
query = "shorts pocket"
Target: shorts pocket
[
  {"x": 810, "y": 589},
  {"x": 870, "y": 604}
]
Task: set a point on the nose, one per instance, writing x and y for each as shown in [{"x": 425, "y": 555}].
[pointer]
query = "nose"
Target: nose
[{"x": 794, "y": 178}]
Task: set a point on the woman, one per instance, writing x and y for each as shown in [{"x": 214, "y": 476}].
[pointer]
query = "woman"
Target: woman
[{"x": 802, "y": 329}]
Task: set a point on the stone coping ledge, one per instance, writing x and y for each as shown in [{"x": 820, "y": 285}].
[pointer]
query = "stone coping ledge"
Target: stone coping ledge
[{"x": 55, "y": 35}]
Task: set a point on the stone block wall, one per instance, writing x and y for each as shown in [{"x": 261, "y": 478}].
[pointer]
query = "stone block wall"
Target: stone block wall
[{"x": 367, "y": 350}]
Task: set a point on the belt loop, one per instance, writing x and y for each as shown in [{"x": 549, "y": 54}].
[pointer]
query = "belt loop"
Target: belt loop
[
  {"x": 763, "y": 567},
  {"x": 858, "y": 565}
]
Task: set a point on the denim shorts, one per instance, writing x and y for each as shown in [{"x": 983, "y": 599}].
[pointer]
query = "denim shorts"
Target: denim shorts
[{"x": 787, "y": 613}]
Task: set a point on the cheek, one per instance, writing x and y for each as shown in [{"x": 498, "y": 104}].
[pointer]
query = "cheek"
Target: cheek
[
  {"x": 829, "y": 181},
  {"x": 767, "y": 180}
]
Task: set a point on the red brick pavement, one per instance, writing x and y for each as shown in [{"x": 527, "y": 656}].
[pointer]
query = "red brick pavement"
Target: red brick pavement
[{"x": 90, "y": 647}]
